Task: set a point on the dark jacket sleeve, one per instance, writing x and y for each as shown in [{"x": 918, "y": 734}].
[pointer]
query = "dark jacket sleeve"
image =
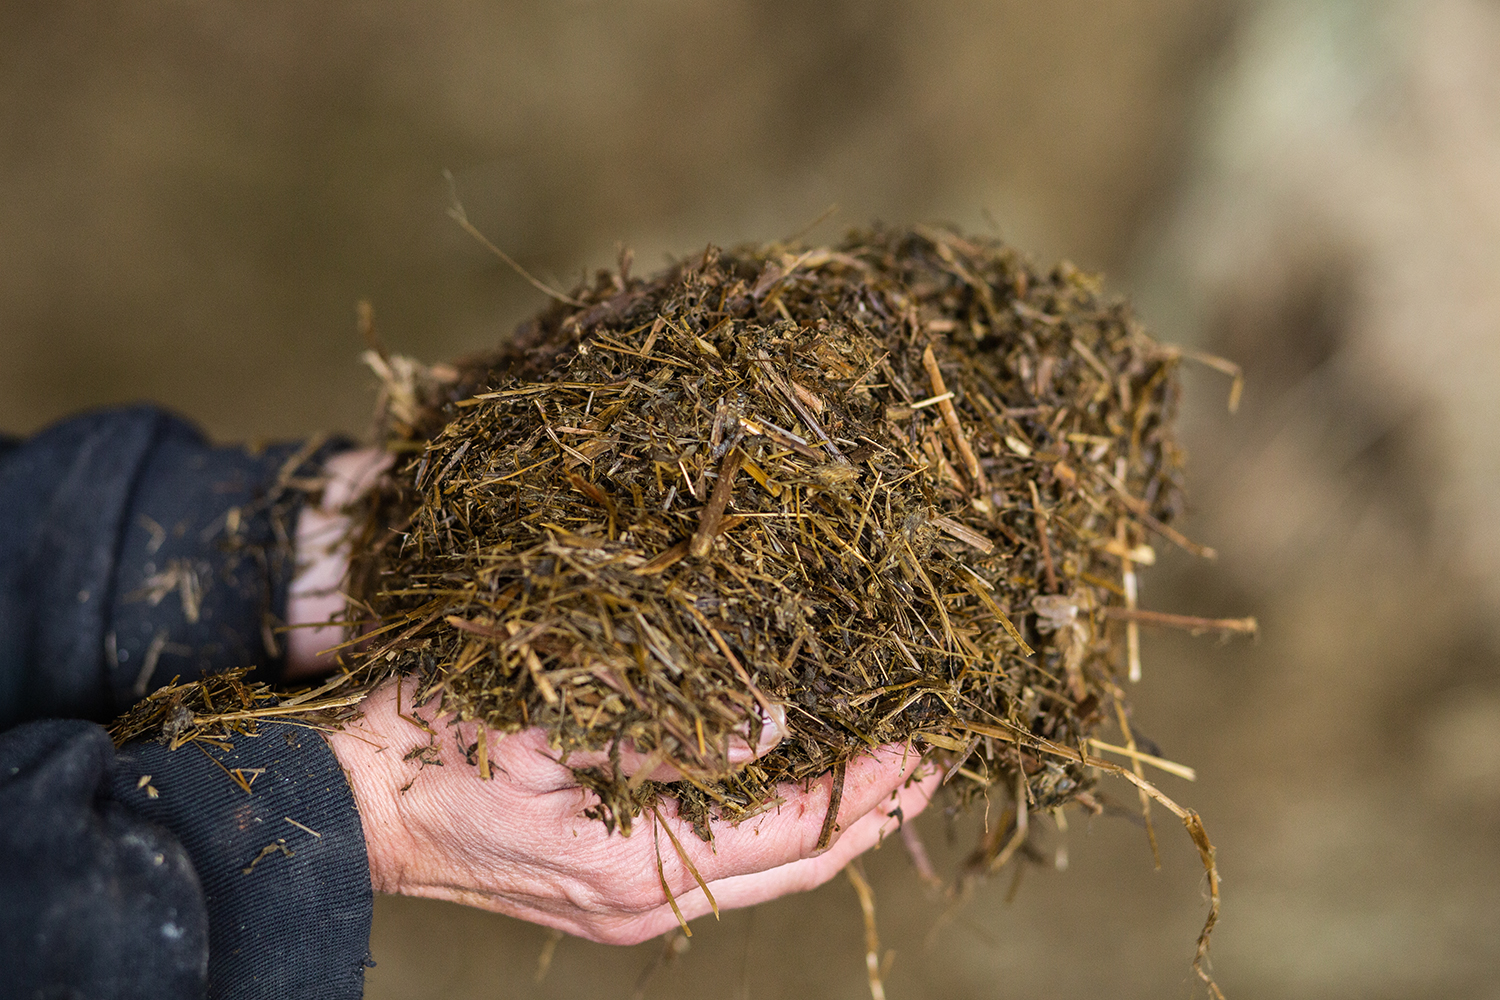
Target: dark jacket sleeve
[{"x": 132, "y": 552}]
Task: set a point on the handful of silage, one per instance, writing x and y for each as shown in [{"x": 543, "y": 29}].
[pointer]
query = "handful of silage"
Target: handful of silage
[
  {"x": 889, "y": 490},
  {"x": 892, "y": 491}
]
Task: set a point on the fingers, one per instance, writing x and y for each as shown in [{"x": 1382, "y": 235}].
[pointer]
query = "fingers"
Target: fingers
[
  {"x": 873, "y": 786},
  {"x": 798, "y": 876},
  {"x": 351, "y": 474},
  {"x": 790, "y": 832},
  {"x": 322, "y": 546},
  {"x": 772, "y": 729}
]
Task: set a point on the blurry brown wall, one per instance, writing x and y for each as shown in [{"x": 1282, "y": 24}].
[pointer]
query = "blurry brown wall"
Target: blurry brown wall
[{"x": 196, "y": 193}]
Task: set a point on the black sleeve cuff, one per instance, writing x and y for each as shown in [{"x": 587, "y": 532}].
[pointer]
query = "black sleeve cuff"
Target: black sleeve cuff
[
  {"x": 131, "y": 552},
  {"x": 206, "y": 558},
  {"x": 283, "y": 866}
]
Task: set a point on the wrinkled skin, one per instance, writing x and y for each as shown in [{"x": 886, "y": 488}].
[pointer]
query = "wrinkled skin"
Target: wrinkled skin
[{"x": 518, "y": 844}]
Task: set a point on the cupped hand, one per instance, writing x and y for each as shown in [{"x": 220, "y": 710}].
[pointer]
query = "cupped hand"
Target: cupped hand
[{"x": 519, "y": 843}]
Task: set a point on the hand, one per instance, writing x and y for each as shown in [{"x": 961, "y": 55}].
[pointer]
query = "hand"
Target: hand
[
  {"x": 519, "y": 844},
  {"x": 322, "y": 552}
]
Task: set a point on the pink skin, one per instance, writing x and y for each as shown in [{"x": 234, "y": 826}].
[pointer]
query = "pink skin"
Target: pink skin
[
  {"x": 518, "y": 843},
  {"x": 322, "y": 559}
]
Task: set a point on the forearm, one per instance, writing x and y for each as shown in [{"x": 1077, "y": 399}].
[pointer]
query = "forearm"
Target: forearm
[
  {"x": 151, "y": 873},
  {"x": 94, "y": 898},
  {"x": 279, "y": 853},
  {"x": 132, "y": 552}
]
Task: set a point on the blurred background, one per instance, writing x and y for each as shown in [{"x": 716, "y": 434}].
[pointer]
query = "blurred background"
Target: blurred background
[{"x": 196, "y": 193}]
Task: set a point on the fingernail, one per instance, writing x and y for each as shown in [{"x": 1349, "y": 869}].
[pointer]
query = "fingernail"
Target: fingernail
[{"x": 772, "y": 725}]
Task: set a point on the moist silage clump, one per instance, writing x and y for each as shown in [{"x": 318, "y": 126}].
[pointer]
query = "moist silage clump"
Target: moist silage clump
[{"x": 882, "y": 492}]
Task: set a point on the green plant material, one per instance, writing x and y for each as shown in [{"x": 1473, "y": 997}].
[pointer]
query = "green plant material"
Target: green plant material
[{"x": 880, "y": 489}]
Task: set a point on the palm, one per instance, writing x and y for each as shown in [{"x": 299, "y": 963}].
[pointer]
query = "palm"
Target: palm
[{"x": 519, "y": 844}]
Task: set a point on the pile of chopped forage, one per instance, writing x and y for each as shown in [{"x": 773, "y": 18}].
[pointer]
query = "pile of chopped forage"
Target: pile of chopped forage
[{"x": 891, "y": 490}]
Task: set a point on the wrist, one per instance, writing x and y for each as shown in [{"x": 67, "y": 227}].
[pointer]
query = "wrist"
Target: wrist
[{"x": 371, "y": 752}]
